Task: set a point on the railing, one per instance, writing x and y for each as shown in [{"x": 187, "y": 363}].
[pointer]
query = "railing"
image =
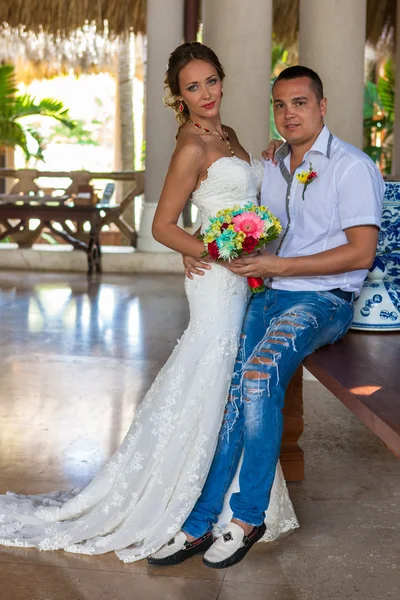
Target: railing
[
  {"x": 60, "y": 212},
  {"x": 26, "y": 178}
]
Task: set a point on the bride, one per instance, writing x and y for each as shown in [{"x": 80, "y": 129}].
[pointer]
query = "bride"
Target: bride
[{"x": 143, "y": 494}]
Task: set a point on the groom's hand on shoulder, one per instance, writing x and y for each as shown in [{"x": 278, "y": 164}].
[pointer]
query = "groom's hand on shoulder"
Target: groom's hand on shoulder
[
  {"x": 269, "y": 153},
  {"x": 263, "y": 265}
]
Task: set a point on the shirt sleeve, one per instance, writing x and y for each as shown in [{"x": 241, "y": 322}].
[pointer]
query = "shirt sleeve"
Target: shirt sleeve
[{"x": 360, "y": 193}]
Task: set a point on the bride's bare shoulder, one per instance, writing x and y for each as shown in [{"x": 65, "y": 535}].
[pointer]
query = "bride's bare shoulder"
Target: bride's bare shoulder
[{"x": 190, "y": 146}]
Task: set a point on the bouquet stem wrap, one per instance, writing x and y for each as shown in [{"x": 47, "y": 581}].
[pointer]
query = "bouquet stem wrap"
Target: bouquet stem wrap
[{"x": 256, "y": 284}]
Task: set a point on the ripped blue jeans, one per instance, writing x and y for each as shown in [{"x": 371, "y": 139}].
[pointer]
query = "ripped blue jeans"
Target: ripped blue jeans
[{"x": 280, "y": 329}]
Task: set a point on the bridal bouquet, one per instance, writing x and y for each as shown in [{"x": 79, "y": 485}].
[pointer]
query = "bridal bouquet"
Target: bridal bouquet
[{"x": 240, "y": 230}]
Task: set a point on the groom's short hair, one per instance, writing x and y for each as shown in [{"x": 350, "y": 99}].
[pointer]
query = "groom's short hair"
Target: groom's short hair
[{"x": 300, "y": 71}]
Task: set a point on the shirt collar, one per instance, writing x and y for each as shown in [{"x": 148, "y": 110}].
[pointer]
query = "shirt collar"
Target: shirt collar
[{"x": 322, "y": 144}]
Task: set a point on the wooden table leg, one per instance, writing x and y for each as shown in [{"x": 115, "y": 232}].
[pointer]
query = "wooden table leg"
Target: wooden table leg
[
  {"x": 94, "y": 251},
  {"x": 292, "y": 456}
]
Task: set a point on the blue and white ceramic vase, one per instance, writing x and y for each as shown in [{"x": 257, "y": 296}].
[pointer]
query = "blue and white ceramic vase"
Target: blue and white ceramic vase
[{"x": 378, "y": 306}]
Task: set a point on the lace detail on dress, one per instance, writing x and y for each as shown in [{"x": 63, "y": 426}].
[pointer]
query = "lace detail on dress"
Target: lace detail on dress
[
  {"x": 146, "y": 490},
  {"x": 280, "y": 518}
]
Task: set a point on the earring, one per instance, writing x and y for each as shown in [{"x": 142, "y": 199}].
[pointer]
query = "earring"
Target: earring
[{"x": 180, "y": 108}]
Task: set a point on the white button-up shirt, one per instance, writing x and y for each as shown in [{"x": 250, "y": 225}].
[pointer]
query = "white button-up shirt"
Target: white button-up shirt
[{"x": 347, "y": 191}]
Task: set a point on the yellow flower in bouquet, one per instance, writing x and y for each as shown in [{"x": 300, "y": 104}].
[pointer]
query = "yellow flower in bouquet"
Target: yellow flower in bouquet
[{"x": 237, "y": 230}]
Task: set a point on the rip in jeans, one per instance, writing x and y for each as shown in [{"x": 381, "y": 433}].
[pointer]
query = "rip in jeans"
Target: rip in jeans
[{"x": 262, "y": 367}]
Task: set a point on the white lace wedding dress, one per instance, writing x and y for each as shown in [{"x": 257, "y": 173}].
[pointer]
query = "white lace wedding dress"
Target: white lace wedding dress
[{"x": 146, "y": 490}]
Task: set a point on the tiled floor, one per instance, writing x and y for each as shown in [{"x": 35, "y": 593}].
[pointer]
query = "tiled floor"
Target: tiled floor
[{"x": 75, "y": 361}]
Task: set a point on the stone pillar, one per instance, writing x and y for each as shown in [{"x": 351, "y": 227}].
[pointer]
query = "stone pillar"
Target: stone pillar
[
  {"x": 396, "y": 145},
  {"x": 164, "y": 33},
  {"x": 240, "y": 33},
  {"x": 332, "y": 43}
]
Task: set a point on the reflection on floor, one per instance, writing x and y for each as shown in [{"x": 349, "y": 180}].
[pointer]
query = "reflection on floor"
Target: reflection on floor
[{"x": 76, "y": 360}]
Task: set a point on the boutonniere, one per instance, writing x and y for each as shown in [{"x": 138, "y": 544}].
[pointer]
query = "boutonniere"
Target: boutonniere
[{"x": 306, "y": 177}]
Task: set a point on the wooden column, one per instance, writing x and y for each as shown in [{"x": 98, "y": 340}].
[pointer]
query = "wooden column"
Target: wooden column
[
  {"x": 191, "y": 20},
  {"x": 292, "y": 456}
]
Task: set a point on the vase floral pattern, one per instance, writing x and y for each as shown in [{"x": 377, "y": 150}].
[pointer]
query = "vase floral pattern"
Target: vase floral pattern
[
  {"x": 389, "y": 236},
  {"x": 378, "y": 306}
]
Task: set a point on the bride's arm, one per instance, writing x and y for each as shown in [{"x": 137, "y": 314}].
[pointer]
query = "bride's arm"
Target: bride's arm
[
  {"x": 187, "y": 163},
  {"x": 195, "y": 266}
]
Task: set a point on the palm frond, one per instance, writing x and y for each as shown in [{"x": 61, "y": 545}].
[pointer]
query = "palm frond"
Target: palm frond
[
  {"x": 39, "y": 139},
  {"x": 14, "y": 107},
  {"x": 371, "y": 99},
  {"x": 279, "y": 55},
  {"x": 8, "y": 89},
  {"x": 27, "y": 105},
  {"x": 372, "y": 104},
  {"x": 386, "y": 86},
  {"x": 12, "y": 134}
]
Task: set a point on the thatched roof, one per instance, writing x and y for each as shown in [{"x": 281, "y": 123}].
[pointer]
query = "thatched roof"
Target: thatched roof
[
  {"x": 46, "y": 37},
  {"x": 381, "y": 21},
  {"x": 45, "y": 55},
  {"x": 63, "y": 17}
]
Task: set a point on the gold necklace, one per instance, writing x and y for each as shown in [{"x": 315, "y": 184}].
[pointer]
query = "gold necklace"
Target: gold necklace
[{"x": 223, "y": 139}]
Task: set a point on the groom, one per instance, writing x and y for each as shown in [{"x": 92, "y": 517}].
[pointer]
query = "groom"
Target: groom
[{"x": 328, "y": 197}]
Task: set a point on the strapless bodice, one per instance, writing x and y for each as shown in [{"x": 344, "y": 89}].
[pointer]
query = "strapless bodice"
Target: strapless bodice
[{"x": 230, "y": 180}]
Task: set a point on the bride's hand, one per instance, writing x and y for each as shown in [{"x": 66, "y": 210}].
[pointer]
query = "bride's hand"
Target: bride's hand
[
  {"x": 195, "y": 266},
  {"x": 269, "y": 153}
]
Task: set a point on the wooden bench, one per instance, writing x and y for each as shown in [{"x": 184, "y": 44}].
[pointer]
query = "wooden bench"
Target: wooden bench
[{"x": 363, "y": 371}]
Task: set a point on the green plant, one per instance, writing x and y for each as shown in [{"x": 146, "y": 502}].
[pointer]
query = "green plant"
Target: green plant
[
  {"x": 80, "y": 134},
  {"x": 379, "y": 118},
  {"x": 15, "y": 106},
  {"x": 279, "y": 59}
]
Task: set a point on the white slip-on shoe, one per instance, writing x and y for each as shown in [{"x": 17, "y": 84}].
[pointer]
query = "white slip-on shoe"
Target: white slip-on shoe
[
  {"x": 232, "y": 546},
  {"x": 179, "y": 549}
]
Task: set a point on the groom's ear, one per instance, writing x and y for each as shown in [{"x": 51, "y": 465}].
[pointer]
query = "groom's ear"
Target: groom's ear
[{"x": 323, "y": 106}]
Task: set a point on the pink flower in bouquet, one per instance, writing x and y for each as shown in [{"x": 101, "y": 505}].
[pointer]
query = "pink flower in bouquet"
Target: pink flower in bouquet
[{"x": 249, "y": 223}]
